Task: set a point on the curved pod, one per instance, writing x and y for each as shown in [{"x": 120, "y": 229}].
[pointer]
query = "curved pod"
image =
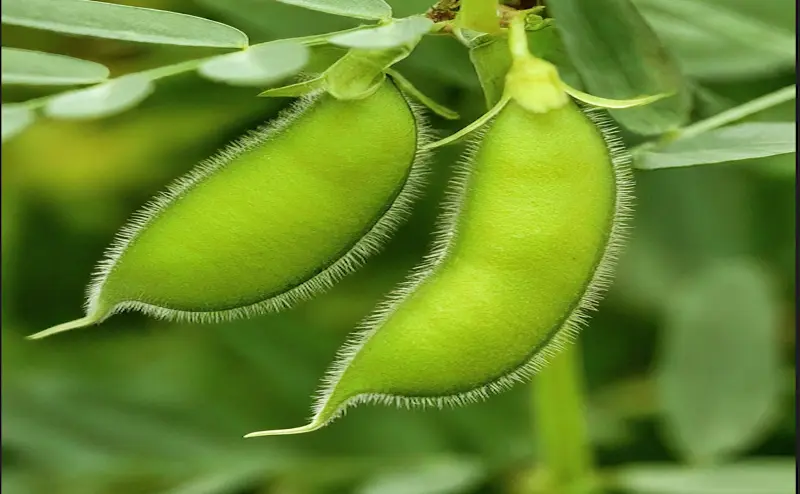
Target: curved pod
[
  {"x": 275, "y": 218},
  {"x": 530, "y": 234}
]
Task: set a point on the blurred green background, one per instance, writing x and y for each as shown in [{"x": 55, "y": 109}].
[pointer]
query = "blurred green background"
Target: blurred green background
[{"x": 689, "y": 364}]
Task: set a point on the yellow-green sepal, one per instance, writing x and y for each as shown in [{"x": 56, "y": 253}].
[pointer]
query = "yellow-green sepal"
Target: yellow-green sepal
[
  {"x": 614, "y": 104},
  {"x": 356, "y": 75},
  {"x": 295, "y": 90},
  {"x": 477, "y": 124},
  {"x": 535, "y": 85},
  {"x": 409, "y": 88},
  {"x": 532, "y": 82}
]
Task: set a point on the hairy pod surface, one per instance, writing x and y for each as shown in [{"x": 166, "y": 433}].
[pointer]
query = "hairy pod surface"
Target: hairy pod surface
[
  {"x": 275, "y": 218},
  {"x": 528, "y": 240}
]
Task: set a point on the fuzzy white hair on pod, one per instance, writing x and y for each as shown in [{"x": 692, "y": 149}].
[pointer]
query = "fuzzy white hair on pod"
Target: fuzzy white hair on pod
[
  {"x": 444, "y": 237},
  {"x": 369, "y": 244}
]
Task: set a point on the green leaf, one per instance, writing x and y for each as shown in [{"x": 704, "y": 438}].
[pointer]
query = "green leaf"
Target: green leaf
[
  {"x": 258, "y": 65},
  {"x": 762, "y": 476},
  {"x": 619, "y": 57},
  {"x": 274, "y": 20},
  {"x": 102, "y": 100},
  {"x": 646, "y": 273},
  {"x": 737, "y": 142},
  {"x": 397, "y": 33},
  {"x": 39, "y": 68},
  {"x": 358, "y": 9},
  {"x": 434, "y": 476},
  {"x": 107, "y": 20},
  {"x": 719, "y": 371},
  {"x": 491, "y": 61},
  {"x": 719, "y": 39},
  {"x": 229, "y": 477},
  {"x": 15, "y": 119}
]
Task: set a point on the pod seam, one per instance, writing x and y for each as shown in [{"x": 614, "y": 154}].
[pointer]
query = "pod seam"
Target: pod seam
[
  {"x": 356, "y": 256},
  {"x": 445, "y": 236}
]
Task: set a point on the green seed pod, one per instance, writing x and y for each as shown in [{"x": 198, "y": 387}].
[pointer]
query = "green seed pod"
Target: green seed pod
[
  {"x": 530, "y": 233},
  {"x": 275, "y": 218}
]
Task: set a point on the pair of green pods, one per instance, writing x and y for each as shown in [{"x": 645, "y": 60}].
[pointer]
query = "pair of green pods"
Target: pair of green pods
[
  {"x": 525, "y": 245},
  {"x": 276, "y": 217}
]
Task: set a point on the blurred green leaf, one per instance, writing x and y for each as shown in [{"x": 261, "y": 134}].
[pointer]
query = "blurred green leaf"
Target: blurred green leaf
[
  {"x": 16, "y": 481},
  {"x": 695, "y": 215},
  {"x": 645, "y": 274},
  {"x": 756, "y": 476},
  {"x": 778, "y": 13},
  {"x": 15, "y": 119},
  {"x": 359, "y": 9},
  {"x": 426, "y": 61},
  {"x": 709, "y": 102},
  {"x": 737, "y": 142},
  {"x": 268, "y": 20},
  {"x": 618, "y": 56},
  {"x": 719, "y": 369},
  {"x": 608, "y": 429},
  {"x": 491, "y": 61},
  {"x": 781, "y": 167},
  {"x": 719, "y": 39},
  {"x": 39, "y": 68},
  {"x": 235, "y": 478},
  {"x": 102, "y": 100},
  {"x": 258, "y": 65},
  {"x": 108, "y": 20},
  {"x": 397, "y": 33},
  {"x": 434, "y": 476}
]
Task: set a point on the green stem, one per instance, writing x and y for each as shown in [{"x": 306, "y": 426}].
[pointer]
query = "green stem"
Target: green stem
[
  {"x": 518, "y": 38},
  {"x": 741, "y": 111},
  {"x": 174, "y": 69},
  {"x": 322, "y": 39},
  {"x": 479, "y": 15},
  {"x": 152, "y": 74},
  {"x": 728, "y": 116},
  {"x": 563, "y": 440}
]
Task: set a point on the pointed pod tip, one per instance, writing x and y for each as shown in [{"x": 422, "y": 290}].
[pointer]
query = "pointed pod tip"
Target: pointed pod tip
[
  {"x": 286, "y": 432},
  {"x": 60, "y": 328}
]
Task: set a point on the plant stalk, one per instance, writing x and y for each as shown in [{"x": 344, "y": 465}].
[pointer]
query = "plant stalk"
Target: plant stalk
[
  {"x": 560, "y": 424},
  {"x": 751, "y": 107},
  {"x": 186, "y": 66},
  {"x": 479, "y": 15}
]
